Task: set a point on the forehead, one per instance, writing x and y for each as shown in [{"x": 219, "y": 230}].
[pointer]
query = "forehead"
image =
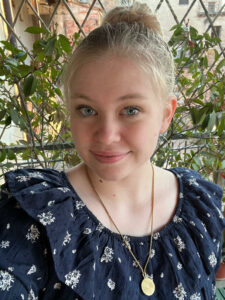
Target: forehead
[{"x": 111, "y": 75}]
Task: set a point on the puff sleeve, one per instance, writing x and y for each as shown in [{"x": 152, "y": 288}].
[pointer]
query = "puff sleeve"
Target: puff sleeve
[{"x": 23, "y": 264}]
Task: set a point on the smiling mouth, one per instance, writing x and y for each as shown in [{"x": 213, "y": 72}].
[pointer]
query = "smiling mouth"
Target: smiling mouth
[{"x": 107, "y": 157}]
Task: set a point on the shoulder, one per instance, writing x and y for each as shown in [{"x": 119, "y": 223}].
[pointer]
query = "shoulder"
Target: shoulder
[
  {"x": 21, "y": 178},
  {"x": 194, "y": 184},
  {"x": 20, "y": 237}
]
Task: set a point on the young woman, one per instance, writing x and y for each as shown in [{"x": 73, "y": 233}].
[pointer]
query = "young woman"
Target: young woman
[{"x": 115, "y": 226}]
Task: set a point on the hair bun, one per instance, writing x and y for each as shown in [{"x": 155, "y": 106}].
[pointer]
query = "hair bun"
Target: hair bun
[{"x": 138, "y": 12}]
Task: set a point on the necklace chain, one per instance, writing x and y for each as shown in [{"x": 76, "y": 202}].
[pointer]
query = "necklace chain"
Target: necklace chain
[{"x": 143, "y": 270}]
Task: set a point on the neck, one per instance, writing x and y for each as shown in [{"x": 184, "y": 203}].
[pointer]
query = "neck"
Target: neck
[{"x": 133, "y": 190}]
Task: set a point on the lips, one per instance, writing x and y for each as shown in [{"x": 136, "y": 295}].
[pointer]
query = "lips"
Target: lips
[{"x": 109, "y": 157}]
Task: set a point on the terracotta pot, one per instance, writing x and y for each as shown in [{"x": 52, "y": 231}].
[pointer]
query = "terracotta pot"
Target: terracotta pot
[{"x": 220, "y": 275}]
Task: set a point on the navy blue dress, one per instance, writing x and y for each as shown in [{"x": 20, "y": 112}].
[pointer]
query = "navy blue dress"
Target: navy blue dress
[{"x": 53, "y": 247}]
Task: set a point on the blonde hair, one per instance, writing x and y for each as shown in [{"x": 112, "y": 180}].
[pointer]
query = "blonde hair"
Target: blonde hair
[{"x": 133, "y": 32}]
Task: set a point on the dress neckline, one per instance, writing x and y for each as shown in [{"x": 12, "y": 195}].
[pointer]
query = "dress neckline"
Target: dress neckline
[{"x": 145, "y": 238}]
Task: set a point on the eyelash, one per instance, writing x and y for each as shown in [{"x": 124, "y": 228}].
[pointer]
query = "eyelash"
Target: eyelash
[{"x": 82, "y": 107}]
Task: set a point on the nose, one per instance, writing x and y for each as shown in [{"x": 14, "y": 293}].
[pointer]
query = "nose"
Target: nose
[{"x": 108, "y": 131}]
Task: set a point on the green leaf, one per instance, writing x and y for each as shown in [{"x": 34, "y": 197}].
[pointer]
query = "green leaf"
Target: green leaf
[
  {"x": 36, "y": 30},
  {"x": 2, "y": 114},
  {"x": 26, "y": 154},
  {"x": 24, "y": 69},
  {"x": 30, "y": 84},
  {"x": 9, "y": 46},
  {"x": 221, "y": 127},
  {"x": 21, "y": 56},
  {"x": 65, "y": 44},
  {"x": 220, "y": 65},
  {"x": 217, "y": 56},
  {"x": 205, "y": 62},
  {"x": 205, "y": 122},
  {"x": 212, "y": 121},
  {"x": 50, "y": 46},
  {"x": 2, "y": 155},
  {"x": 41, "y": 56},
  {"x": 58, "y": 92},
  {"x": 195, "y": 115},
  {"x": 8, "y": 121},
  {"x": 11, "y": 155},
  {"x": 14, "y": 116},
  {"x": 198, "y": 101},
  {"x": 193, "y": 33},
  {"x": 11, "y": 61}
]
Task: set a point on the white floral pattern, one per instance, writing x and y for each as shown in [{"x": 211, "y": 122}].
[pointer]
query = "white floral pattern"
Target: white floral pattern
[
  {"x": 193, "y": 181},
  {"x": 79, "y": 204},
  {"x": 87, "y": 231},
  {"x": 100, "y": 227},
  {"x": 22, "y": 178},
  {"x": 180, "y": 244},
  {"x": 6, "y": 280},
  {"x": 195, "y": 296},
  {"x": 73, "y": 278},
  {"x": 179, "y": 292},
  {"x": 135, "y": 264},
  {"x": 31, "y": 295},
  {"x": 152, "y": 253},
  {"x": 204, "y": 226},
  {"x": 63, "y": 189},
  {"x": 111, "y": 284},
  {"x": 11, "y": 269},
  {"x": 192, "y": 223},
  {"x": 107, "y": 255},
  {"x": 177, "y": 219},
  {"x": 46, "y": 218},
  {"x": 220, "y": 213},
  {"x": 33, "y": 234},
  {"x": 127, "y": 239},
  {"x": 32, "y": 270},
  {"x": 57, "y": 286},
  {"x": 4, "y": 244},
  {"x": 156, "y": 236},
  {"x": 36, "y": 174},
  {"x": 212, "y": 259},
  {"x": 51, "y": 203},
  {"x": 67, "y": 239}
]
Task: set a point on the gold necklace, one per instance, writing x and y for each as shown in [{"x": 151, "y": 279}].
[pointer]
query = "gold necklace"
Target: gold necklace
[{"x": 147, "y": 284}]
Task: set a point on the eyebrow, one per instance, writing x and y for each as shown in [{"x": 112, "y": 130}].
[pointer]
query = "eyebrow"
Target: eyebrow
[{"x": 125, "y": 97}]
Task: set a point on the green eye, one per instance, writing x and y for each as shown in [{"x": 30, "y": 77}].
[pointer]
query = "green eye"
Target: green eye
[{"x": 131, "y": 110}]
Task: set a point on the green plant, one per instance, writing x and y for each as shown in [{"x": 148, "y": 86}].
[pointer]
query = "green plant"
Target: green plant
[
  {"x": 197, "y": 134},
  {"x": 32, "y": 100}
]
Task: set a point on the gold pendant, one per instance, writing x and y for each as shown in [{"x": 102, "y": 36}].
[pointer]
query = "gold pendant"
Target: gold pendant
[{"x": 148, "y": 286}]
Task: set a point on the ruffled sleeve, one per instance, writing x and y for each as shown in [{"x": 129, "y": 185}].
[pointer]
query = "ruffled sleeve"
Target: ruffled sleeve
[
  {"x": 202, "y": 212},
  {"x": 194, "y": 238},
  {"x": 23, "y": 257},
  {"x": 45, "y": 197}
]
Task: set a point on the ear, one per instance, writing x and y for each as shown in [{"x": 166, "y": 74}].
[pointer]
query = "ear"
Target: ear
[{"x": 168, "y": 112}]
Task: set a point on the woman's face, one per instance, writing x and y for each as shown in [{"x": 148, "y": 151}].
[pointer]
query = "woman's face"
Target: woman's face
[{"x": 116, "y": 117}]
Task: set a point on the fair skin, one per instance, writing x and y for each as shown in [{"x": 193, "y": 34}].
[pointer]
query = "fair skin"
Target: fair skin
[{"x": 116, "y": 117}]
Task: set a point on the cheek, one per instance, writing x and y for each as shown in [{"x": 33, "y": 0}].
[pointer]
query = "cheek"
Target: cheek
[{"x": 143, "y": 133}]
